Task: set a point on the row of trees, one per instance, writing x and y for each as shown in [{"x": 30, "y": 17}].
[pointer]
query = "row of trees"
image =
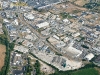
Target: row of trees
[
  {"x": 28, "y": 67},
  {"x": 37, "y": 67}
]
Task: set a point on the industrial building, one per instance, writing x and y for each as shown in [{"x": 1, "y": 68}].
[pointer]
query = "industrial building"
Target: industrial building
[
  {"x": 29, "y": 16},
  {"x": 89, "y": 56},
  {"x": 44, "y": 24}
]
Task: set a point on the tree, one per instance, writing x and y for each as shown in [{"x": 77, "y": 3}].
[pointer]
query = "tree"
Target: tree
[{"x": 37, "y": 67}]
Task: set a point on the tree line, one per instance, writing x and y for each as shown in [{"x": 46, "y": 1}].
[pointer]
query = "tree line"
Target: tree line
[{"x": 9, "y": 48}]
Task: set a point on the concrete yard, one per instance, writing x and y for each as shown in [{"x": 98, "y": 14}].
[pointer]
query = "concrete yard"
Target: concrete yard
[{"x": 70, "y": 64}]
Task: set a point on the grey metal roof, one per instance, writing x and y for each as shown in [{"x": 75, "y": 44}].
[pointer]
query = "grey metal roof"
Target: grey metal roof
[{"x": 17, "y": 72}]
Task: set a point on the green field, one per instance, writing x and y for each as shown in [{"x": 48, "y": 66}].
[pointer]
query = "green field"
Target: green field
[{"x": 89, "y": 71}]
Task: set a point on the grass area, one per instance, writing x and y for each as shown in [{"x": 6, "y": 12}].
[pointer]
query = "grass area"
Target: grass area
[
  {"x": 88, "y": 71},
  {"x": 98, "y": 69},
  {"x": 76, "y": 11},
  {"x": 81, "y": 2},
  {"x": 0, "y": 8},
  {"x": 65, "y": 15}
]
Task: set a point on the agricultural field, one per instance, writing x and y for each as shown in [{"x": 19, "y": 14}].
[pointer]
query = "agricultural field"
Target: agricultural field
[
  {"x": 80, "y": 2},
  {"x": 67, "y": 7},
  {"x": 2, "y": 55}
]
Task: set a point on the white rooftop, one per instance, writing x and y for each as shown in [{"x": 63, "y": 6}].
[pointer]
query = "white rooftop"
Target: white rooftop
[
  {"x": 14, "y": 0},
  {"x": 56, "y": 37},
  {"x": 29, "y": 37},
  {"x": 89, "y": 56},
  {"x": 44, "y": 24},
  {"x": 29, "y": 16},
  {"x": 76, "y": 34},
  {"x": 16, "y": 22},
  {"x": 74, "y": 51},
  {"x": 21, "y": 48},
  {"x": 66, "y": 39},
  {"x": 6, "y": 21}
]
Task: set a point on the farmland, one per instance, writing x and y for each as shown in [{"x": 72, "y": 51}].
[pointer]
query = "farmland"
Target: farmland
[{"x": 2, "y": 55}]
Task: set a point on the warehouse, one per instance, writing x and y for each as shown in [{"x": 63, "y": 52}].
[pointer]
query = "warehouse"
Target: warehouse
[
  {"x": 44, "y": 24},
  {"x": 73, "y": 51},
  {"x": 89, "y": 56}
]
